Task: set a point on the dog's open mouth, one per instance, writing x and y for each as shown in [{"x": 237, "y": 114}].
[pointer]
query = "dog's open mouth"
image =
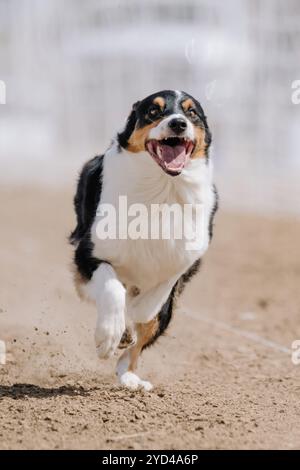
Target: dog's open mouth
[{"x": 172, "y": 153}]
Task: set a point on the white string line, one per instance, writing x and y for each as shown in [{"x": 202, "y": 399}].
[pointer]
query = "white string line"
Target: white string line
[
  {"x": 231, "y": 329},
  {"x": 129, "y": 436}
]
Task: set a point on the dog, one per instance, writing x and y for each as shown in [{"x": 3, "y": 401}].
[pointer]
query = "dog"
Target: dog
[{"x": 160, "y": 157}]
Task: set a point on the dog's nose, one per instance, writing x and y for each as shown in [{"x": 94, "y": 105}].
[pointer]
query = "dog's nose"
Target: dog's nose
[{"x": 178, "y": 125}]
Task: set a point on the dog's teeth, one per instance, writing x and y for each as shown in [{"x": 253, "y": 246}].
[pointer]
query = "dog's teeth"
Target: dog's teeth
[{"x": 159, "y": 152}]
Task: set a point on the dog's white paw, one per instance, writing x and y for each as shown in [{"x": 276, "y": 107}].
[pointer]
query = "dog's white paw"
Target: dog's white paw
[
  {"x": 133, "y": 382},
  {"x": 108, "y": 336}
]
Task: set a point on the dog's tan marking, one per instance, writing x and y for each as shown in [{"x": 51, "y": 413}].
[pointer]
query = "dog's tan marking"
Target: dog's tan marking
[
  {"x": 160, "y": 101},
  {"x": 187, "y": 104},
  {"x": 145, "y": 331},
  {"x": 200, "y": 147},
  {"x": 138, "y": 138}
]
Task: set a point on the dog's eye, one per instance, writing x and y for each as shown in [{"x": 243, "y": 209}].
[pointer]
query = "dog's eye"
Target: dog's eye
[
  {"x": 192, "y": 113},
  {"x": 153, "y": 112}
]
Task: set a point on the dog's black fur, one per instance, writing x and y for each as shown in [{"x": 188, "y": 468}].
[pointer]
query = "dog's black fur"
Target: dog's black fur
[{"x": 85, "y": 203}]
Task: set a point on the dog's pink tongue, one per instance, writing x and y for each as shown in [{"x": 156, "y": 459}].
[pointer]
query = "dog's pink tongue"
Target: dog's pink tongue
[{"x": 174, "y": 157}]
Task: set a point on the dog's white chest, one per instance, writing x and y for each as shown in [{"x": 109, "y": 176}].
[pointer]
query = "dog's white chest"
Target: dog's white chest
[{"x": 135, "y": 189}]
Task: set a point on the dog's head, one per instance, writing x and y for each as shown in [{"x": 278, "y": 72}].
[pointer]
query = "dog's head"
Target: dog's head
[{"x": 171, "y": 126}]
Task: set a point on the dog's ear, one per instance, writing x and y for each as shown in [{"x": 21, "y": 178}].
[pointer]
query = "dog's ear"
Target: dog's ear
[{"x": 124, "y": 136}]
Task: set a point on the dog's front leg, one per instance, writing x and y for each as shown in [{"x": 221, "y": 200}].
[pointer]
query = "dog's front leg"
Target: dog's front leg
[{"x": 109, "y": 294}]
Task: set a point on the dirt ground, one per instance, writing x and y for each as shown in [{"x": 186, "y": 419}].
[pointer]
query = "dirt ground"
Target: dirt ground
[{"x": 223, "y": 373}]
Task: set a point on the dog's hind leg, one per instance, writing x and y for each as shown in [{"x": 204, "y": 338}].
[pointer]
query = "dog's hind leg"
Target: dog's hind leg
[
  {"x": 147, "y": 334},
  {"x": 109, "y": 294},
  {"x": 127, "y": 363}
]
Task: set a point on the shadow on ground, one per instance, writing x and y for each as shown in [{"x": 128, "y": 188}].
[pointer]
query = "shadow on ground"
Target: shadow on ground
[{"x": 20, "y": 391}]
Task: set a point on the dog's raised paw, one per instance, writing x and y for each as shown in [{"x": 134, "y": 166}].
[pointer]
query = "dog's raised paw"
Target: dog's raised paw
[
  {"x": 133, "y": 382},
  {"x": 107, "y": 339}
]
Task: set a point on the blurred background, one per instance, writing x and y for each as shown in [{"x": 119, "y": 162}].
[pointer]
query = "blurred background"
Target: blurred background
[{"x": 73, "y": 69}]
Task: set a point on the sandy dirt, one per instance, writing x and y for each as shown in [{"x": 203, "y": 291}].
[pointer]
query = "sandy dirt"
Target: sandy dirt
[{"x": 223, "y": 373}]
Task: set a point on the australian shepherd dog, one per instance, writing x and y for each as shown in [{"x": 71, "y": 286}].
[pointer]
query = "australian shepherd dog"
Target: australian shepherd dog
[{"x": 159, "y": 159}]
